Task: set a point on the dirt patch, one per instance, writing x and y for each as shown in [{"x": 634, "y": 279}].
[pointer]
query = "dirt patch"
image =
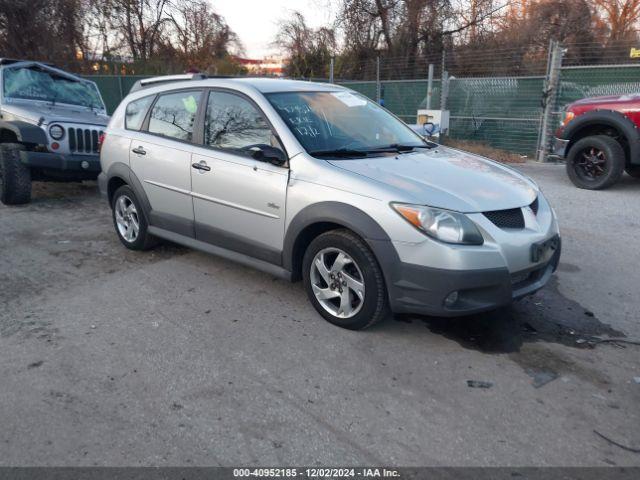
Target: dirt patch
[
  {"x": 485, "y": 150},
  {"x": 65, "y": 237},
  {"x": 544, "y": 365}
]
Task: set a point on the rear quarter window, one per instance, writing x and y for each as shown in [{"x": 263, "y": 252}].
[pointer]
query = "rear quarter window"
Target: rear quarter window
[
  {"x": 174, "y": 114},
  {"x": 135, "y": 113}
]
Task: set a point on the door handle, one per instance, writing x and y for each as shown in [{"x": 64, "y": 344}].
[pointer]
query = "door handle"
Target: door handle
[
  {"x": 139, "y": 151},
  {"x": 202, "y": 166}
]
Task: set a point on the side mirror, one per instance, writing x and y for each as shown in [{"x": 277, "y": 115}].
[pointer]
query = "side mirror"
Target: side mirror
[{"x": 267, "y": 153}]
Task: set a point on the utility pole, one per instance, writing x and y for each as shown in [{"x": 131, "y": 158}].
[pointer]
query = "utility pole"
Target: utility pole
[
  {"x": 378, "y": 86},
  {"x": 430, "y": 86},
  {"x": 444, "y": 89},
  {"x": 549, "y": 99},
  {"x": 331, "y": 69}
]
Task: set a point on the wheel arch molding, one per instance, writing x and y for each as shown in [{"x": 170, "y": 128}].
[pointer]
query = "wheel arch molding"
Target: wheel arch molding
[
  {"x": 119, "y": 170},
  {"x": 609, "y": 118},
  {"x": 25, "y": 132},
  {"x": 316, "y": 219}
]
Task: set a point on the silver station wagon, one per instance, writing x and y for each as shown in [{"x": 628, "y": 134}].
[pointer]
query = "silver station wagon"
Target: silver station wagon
[{"x": 315, "y": 182}]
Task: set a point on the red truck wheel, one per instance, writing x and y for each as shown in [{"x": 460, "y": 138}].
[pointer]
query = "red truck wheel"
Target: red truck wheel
[{"x": 596, "y": 162}]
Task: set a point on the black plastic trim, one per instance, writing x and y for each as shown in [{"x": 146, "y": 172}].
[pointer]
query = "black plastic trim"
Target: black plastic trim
[
  {"x": 221, "y": 238},
  {"x": 26, "y": 132},
  {"x": 56, "y": 161},
  {"x": 222, "y": 252},
  {"x": 338, "y": 213},
  {"x": 124, "y": 172},
  {"x": 422, "y": 290},
  {"x": 173, "y": 223}
]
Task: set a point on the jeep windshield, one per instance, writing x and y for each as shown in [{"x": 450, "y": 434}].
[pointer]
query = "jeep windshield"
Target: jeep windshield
[
  {"x": 37, "y": 83},
  {"x": 343, "y": 124}
]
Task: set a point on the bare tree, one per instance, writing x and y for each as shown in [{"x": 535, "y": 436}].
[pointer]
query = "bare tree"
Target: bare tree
[
  {"x": 411, "y": 32},
  {"x": 42, "y": 29},
  {"x": 308, "y": 50},
  {"x": 199, "y": 36},
  {"x": 141, "y": 24},
  {"x": 620, "y": 16}
]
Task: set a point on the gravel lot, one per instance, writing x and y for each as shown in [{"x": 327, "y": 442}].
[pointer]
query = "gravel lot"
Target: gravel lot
[{"x": 173, "y": 357}]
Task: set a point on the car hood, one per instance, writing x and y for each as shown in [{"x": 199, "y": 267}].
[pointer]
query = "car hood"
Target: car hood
[
  {"x": 609, "y": 99},
  {"x": 55, "y": 113},
  {"x": 448, "y": 178}
]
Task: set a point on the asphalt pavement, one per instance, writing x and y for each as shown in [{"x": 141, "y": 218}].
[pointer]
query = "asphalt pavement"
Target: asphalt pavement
[{"x": 175, "y": 357}]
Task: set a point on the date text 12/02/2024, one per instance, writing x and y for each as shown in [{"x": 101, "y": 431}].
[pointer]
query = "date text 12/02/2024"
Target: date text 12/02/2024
[{"x": 316, "y": 472}]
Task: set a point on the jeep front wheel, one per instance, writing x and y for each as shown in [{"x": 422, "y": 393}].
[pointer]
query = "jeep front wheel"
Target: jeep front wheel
[
  {"x": 595, "y": 163},
  {"x": 15, "y": 177}
]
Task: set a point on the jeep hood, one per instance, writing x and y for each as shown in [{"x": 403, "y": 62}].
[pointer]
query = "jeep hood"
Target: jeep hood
[
  {"x": 32, "y": 112},
  {"x": 447, "y": 178}
]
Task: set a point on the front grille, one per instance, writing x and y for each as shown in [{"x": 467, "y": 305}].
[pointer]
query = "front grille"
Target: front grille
[
  {"x": 522, "y": 279},
  {"x": 511, "y": 218},
  {"x": 518, "y": 278},
  {"x": 83, "y": 140}
]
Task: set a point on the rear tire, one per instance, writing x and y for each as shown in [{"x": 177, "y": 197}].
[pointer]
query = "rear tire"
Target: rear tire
[
  {"x": 595, "y": 163},
  {"x": 130, "y": 221},
  {"x": 633, "y": 170},
  {"x": 349, "y": 291},
  {"x": 15, "y": 177}
]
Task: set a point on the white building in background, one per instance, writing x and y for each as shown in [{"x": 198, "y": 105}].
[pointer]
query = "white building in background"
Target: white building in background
[{"x": 271, "y": 65}]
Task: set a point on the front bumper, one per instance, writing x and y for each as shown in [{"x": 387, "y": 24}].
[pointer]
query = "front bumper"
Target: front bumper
[
  {"x": 89, "y": 164},
  {"x": 559, "y": 149},
  {"x": 422, "y": 290}
]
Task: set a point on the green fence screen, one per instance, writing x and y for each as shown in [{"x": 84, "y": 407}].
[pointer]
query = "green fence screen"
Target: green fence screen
[{"x": 502, "y": 112}]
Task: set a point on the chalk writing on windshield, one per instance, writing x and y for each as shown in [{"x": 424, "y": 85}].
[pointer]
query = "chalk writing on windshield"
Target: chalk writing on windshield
[{"x": 301, "y": 118}]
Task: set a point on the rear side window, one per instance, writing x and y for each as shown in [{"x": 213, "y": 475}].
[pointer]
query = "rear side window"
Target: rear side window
[
  {"x": 174, "y": 114},
  {"x": 135, "y": 113}
]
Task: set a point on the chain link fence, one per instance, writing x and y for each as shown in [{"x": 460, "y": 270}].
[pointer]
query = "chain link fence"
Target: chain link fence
[{"x": 489, "y": 105}]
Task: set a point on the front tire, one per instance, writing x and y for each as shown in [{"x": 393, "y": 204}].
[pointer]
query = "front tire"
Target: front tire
[
  {"x": 129, "y": 220},
  {"x": 595, "y": 163},
  {"x": 15, "y": 177},
  {"x": 344, "y": 281}
]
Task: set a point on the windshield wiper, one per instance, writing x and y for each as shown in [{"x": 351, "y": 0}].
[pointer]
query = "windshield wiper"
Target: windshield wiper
[
  {"x": 400, "y": 147},
  {"x": 353, "y": 153},
  {"x": 339, "y": 152}
]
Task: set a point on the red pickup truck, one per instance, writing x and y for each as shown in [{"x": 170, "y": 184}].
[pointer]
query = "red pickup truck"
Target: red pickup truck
[{"x": 599, "y": 138}]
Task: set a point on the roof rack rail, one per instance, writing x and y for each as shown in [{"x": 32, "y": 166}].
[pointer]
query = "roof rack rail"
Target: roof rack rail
[
  {"x": 155, "y": 81},
  {"x": 9, "y": 61}
]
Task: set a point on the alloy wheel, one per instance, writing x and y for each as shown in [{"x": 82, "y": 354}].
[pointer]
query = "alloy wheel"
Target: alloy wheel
[
  {"x": 591, "y": 164},
  {"x": 337, "y": 282},
  {"x": 127, "y": 218}
]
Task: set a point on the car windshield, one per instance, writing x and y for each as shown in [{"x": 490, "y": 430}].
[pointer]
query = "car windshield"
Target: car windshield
[
  {"x": 343, "y": 124},
  {"x": 36, "y": 83}
]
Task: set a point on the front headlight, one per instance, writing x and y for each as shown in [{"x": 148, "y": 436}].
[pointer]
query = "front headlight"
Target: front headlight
[
  {"x": 567, "y": 116},
  {"x": 56, "y": 132},
  {"x": 444, "y": 225}
]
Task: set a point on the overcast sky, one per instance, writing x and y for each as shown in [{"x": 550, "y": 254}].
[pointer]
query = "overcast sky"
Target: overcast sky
[{"x": 256, "y": 21}]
